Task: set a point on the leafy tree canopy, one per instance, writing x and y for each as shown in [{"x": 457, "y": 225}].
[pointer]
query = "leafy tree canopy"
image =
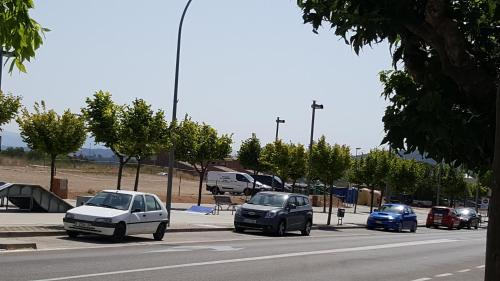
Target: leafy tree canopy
[
  {"x": 249, "y": 154},
  {"x": 9, "y": 106},
  {"x": 20, "y": 35}
]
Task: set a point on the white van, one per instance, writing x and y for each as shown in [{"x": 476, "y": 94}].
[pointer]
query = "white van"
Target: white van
[{"x": 232, "y": 182}]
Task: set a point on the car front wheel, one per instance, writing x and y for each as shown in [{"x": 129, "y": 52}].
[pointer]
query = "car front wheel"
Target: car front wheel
[
  {"x": 119, "y": 233},
  {"x": 307, "y": 229},
  {"x": 160, "y": 232},
  {"x": 413, "y": 227},
  {"x": 280, "y": 231}
]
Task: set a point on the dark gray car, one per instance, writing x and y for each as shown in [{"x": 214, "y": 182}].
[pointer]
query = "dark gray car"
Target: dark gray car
[{"x": 275, "y": 212}]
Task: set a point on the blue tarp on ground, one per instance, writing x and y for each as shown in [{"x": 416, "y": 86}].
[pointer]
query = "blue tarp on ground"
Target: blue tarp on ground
[{"x": 200, "y": 210}]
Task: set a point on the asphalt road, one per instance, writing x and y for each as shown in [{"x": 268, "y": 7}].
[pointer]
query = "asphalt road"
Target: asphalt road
[{"x": 355, "y": 254}]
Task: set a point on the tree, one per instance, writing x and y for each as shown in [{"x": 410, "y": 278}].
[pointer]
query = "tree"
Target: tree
[
  {"x": 249, "y": 157},
  {"x": 46, "y": 131},
  {"x": 144, "y": 133},
  {"x": 105, "y": 123},
  {"x": 404, "y": 175},
  {"x": 329, "y": 163},
  {"x": 275, "y": 158},
  {"x": 20, "y": 35},
  {"x": 199, "y": 144},
  {"x": 297, "y": 163},
  {"x": 9, "y": 106},
  {"x": 443, "y": 102}
]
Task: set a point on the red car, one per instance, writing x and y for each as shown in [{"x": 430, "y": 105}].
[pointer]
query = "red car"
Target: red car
[{"x": 443, "y": 216}]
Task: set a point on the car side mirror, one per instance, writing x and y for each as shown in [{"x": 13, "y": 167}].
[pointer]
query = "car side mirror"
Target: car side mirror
[
  {"x": 376, "y": 210},
  {"x": 136, "y": 211}
]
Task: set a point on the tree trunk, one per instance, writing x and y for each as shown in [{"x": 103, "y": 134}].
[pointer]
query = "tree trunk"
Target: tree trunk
[
  {"x": 324, "y": 199},
  {"x": 372, "y": 193},
  {"x": 254, "y": 183},
  {"x": 202, "y": 176},
  {"x": 122, "y": 162},
  {"x": 136, "y": 184},
  {"x": 293, "y": 186},
  {"x": 52, "y": 171},
  {"x": 382, "y": 193},
  {"x": 330, "y": 208},
  {"x": 492, "y": 271}
]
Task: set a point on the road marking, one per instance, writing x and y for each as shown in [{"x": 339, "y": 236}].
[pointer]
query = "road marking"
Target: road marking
[
  {"x": 463, "y": 270},
  {"x": 422, "y": 279},
  {"x": 258, "y": 258},
  {"x": 444, "y": 275},
  {"x": 481, "y": 266},
  {"x": 210, "y": 225},
  {"x": 154, "y": 243},
  {"x": 193, "y": 248}
]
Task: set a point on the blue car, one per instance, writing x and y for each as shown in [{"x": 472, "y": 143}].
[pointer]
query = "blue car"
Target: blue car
[{"x": 393, "y": 216}]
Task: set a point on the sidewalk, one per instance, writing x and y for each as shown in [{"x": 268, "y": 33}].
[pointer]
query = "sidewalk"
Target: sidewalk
[{"x": 25, "y": 224}]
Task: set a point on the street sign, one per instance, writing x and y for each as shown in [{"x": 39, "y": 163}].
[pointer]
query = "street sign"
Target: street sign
[{"x": 485, "y": 202}]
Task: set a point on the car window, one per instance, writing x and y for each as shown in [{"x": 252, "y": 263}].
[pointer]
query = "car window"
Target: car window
[
  {"x": 111, "y": 200},
  {"x": 241, "y": 178},
  {"x": 306, "y": 200},
  {"x": 300, "y": 200},
  {"x": 138, "y": 203},
  {"x": 158, "y": 205},
  {"x": 266, "y": 199},
  {"x": 151, "y": 204},
  {"x": 292, "y": 200}
]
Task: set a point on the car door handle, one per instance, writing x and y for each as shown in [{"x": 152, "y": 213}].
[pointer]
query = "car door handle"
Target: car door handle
[
  {"x": 161, "y": 214},
  {"x": 144, "y": 215}
]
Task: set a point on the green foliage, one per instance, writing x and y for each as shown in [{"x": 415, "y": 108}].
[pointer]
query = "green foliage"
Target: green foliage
[
  {"x": 298, "y": 161},
  {"x": 275, "y": 158},
  {"x": 198, "y": 144},
  {"x": 13, "y": 152},
  {"x": 329, "y": 163},
  {"x": 373, "y": 169},
  {"x": 144, "y": 132},
  {"x": 405, "y": 175},
  {"x": 46, "y": 131},
  {"x": 9, "y": 106},
  {"x": 249, "y": 154},
  {"x": 19, "y": 34},
  {"x": 443, "y": 101}
]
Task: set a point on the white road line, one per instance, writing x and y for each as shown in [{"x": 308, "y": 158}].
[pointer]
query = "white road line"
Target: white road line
[
  {"x": 444, "y": 275},
  {"x": 422, "y": 279},
  {"x": 259, "y": 258},
  {"x": 463, "y": 270},
  {"x": 154, "y": 243},
  {"x": 481, "y": 266}
]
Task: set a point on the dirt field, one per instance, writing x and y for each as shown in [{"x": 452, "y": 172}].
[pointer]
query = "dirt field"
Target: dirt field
[{"x": 85, "y": 182}]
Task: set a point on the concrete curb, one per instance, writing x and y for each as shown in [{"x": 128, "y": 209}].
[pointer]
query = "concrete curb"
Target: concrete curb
[{"x": 17, "y": 246}]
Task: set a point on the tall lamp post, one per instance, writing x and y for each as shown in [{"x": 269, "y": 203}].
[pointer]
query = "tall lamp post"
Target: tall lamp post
[
  {"x": 171, "y": 157},
  {"x": 278, "y": 121},
  {"x": 314, "y": 106},
  {"x": 357, "y": 192}
]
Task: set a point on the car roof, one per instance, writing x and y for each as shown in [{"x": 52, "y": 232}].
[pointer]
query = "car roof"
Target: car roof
[
  {"x": 395, "y": 204},
  {"x": 441, "y": 207},
  {"x": 281, "y": 193},
  {"x": 126, "y": 192}
]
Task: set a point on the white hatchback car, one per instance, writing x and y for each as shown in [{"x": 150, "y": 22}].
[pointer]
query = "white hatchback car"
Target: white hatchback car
[{"x": 118, "y": 213}]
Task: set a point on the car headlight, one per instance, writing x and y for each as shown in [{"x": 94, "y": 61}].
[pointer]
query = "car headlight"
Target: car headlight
[
  {"x": 105, "y": 220},
  {"x": 271, "y": 214},
  {"x": 69, "y": 216}
]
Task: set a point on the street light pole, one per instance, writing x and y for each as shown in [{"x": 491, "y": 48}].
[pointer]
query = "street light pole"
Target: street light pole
[
  {"x": 314, "y": 106},
  {"x": 357, "y": 192},
  {"x": 278, "y": 121},
  {"x": 171, "y": 157}
]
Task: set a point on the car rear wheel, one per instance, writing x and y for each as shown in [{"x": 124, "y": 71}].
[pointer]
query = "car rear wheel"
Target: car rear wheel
[
  {"x": 307, "y": 229},
  {"x": 247, "y": 192},
  {"x": 280, "y": 231},
  {"x": 72, "y": 234},
  {"x": 160, "y": 232},
  {"x": 119, "y": 233},
  {"x": 215, "y": 190}
]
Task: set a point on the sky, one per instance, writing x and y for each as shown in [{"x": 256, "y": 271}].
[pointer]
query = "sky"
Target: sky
[{"x": 243, "y": 63}]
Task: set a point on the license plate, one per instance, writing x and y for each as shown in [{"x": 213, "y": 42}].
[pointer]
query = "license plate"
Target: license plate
[
  {"x": 437, "y": 220},
  {"x": 82, "y": 224},
  {"x": 378, "y": 222},
  {"x": 249, "y": 221}
]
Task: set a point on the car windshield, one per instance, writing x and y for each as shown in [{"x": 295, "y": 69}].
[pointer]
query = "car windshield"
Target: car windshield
[
  {"x": 111, "y": 200},
  {"x": 392, "y": 209},
  {"x": 275, "y": 200}
]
